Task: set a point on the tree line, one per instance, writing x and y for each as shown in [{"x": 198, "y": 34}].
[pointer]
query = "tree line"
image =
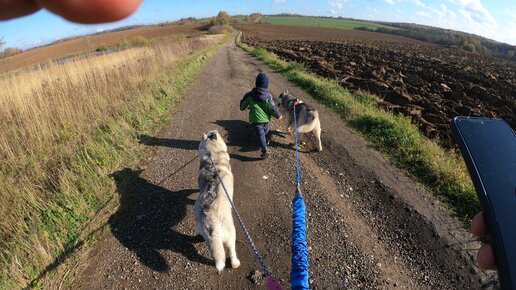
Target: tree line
[{"x": 451, "y": 38}]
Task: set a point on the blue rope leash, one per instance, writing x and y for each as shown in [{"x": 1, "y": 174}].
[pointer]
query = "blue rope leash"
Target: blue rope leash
[
  {"x": 299, "y": 272},
  {"x": 242, "y": 225},
  {"x": 298, "y": 173}
]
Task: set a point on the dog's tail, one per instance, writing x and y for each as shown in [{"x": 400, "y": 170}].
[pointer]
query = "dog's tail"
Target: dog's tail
[
  {"x": 312, "y": 115},
  {"x": 311, "y": 121}
]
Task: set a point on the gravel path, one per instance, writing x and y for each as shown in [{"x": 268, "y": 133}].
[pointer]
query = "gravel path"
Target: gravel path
[{"x": 369, "y": 226}]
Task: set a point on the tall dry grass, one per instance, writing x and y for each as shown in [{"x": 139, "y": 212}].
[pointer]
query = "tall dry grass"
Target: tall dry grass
[
  {"x": 47, "y": 118},
  {"x": 43, "y": 107}
]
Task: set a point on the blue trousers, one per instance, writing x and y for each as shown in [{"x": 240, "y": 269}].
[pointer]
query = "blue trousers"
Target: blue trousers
[{"x": 261, "y": 132}]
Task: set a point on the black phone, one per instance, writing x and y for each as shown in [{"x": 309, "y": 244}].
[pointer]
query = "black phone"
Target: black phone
[{"x": 489, "y": 149}]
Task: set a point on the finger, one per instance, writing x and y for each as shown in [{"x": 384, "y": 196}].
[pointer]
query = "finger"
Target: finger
[
  {"x": 91, "y": 11},
  {"x": 16, "y": 8},
  {"x": 478, "y": 225},
  {"x": 485, "y": 257}
]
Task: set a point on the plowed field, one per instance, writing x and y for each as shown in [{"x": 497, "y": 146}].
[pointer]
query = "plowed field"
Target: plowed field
[{"x": 431, "y": 84}]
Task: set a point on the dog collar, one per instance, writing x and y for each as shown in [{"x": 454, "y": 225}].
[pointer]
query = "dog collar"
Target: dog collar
[{"x": 294, "y": 104}]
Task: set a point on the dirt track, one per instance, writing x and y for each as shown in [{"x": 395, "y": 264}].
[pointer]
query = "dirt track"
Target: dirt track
[{"x": 369, "y": 226}]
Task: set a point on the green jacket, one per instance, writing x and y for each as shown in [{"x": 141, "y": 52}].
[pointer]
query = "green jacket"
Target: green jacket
[{"x": 261, "y": 106}]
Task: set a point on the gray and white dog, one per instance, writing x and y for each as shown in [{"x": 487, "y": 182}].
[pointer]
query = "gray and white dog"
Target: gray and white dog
[
  {"x": 307, "y": 118},
  {"x": 212, "y": 208}
]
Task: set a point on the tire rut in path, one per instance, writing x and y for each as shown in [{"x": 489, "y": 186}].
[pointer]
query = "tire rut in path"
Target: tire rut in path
[{"x": 152, "y": 242}]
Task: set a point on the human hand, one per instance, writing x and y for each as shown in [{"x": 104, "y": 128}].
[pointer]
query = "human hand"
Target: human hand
[
  {"x": 82, "y": 11},
  {"x": 485, "y": 255}
]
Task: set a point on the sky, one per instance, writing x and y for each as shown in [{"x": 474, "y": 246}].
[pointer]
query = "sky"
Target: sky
[{"x": 495, "y": 19}]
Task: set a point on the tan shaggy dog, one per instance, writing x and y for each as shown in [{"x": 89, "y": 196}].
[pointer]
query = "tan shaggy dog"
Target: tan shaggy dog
[
  {"x": 212, "y": 209},
  {"x": 307, "y": 118}
]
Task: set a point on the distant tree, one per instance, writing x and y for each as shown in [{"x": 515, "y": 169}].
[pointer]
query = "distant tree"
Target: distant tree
[
  {"x": 2, "y": 42},
  {"x": 470, "y": 47},
  {"x": 221, "y": 19},
  {"x": 446, "y": 37},
  {"x": 463, "y": 41},
  {"x": 253, "y": 18},
  {"x": 10, "y": 51}
]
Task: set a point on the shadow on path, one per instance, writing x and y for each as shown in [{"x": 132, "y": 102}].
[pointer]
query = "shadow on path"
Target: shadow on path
[
  {"x": 145, "y": 220},
  {"x": 171, "y": 143},
  {"x": 240, "y": 134}
]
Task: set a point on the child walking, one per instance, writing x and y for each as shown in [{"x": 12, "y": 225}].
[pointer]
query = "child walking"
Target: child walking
[{"x": 261, "y": 108}]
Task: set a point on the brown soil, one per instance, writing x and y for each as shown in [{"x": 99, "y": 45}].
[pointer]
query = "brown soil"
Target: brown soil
[
  {"x": 43, "y": 54},
  {"x": 290, "y": 32},
  {"x": 431, "y": 84},
  {"x": 368, "y": 225}
]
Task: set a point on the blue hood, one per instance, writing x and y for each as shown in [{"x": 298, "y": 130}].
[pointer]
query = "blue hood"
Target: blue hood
[
  {"x": 260, "y": 94},
  {"x": 262, "y": 81}
]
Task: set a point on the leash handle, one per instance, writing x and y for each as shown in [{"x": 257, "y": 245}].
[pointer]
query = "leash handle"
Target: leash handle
[{"x": 273, "y": 284}]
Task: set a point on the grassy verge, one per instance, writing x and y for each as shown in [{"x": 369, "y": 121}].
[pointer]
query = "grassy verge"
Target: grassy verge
[
  {"x": 443, "y": 173},
  {"x": 52, "y": 188}
]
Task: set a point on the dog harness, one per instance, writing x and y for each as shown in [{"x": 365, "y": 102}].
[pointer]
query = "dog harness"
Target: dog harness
[{"x": 293, "y": 104}]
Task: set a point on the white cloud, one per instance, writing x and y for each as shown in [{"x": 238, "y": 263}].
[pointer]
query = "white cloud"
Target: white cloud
[
  {"x": 280, "y": 1},
  {"x": 512, "y": 14},
  {"x": 463, "y": 15},
  {"x": 472, "y": 17},
  {"x": 446, "y": 13},
  {"x": 506, "y": 29},
  {"x": 424, "y": 14},
  {"x": 415, "y": 2},
  {"x": 25, "y": 44},
  {"x": 442, "y": 16},
  {"x": 337, "y": 6},
  {"x": 474, "y": 11},
  {"x": 419, "y": 3}
]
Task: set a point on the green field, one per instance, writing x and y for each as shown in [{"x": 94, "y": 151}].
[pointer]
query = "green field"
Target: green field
[{"x": 322, "y": 22}]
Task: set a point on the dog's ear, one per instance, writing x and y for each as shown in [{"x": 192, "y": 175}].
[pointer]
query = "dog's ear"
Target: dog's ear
[
  {"x": 204, "y": 136},
  {"x": 287, "y": 92}
]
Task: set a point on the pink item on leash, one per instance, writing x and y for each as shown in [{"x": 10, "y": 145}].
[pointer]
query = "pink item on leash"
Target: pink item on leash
[
  {"x": 297, "y": 102},
  {"x": 273, "y": 284}
]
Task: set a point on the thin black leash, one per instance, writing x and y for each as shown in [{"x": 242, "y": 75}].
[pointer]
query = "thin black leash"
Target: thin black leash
[{"x": 242, "y": 225}]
